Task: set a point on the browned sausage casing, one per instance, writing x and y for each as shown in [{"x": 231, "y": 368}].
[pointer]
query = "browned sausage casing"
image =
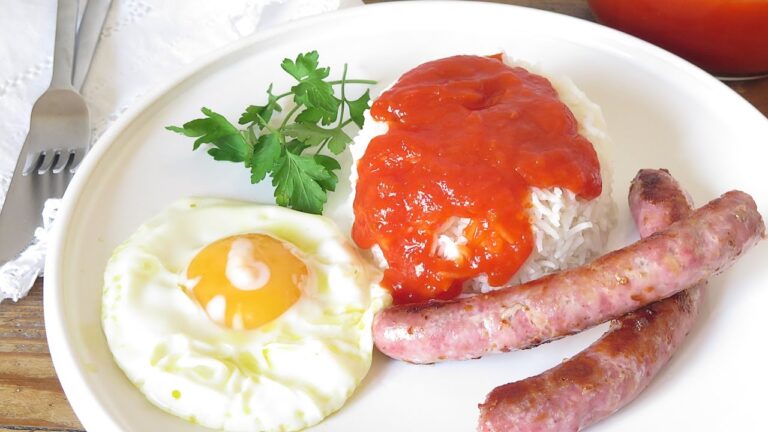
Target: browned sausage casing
[
  {"x": 616, "y": 368},
  {"x": 654, "y": 268}
]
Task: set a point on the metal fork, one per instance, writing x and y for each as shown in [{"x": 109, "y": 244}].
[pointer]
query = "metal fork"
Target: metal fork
[{"x": 58, "y": 139}]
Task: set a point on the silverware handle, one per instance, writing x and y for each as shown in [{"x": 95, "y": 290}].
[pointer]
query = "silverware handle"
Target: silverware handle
[
  {"x": 64, "y": 46},
  {"x": 88, "y": 37},
  {"x": 18, "y": 218}
]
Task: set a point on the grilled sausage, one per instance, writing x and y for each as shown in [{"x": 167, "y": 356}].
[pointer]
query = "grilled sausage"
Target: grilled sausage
[
  {"x": 615, "y": 369},
  {"x": 654, "y": 268}
]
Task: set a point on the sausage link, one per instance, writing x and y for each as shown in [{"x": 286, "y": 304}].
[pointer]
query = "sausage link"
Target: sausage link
[
  {"x": 654, "y": 268},
  {"x": 615, "y": 369}
]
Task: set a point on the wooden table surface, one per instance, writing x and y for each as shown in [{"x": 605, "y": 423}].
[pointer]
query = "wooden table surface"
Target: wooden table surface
[{"x": 31, "y": 398}]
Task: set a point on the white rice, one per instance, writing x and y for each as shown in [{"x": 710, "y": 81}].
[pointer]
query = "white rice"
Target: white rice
[{"x": 568, "y": 231}]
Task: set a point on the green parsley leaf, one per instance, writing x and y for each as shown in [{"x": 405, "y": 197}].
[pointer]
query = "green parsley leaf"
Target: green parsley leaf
[
  {"x": 250, "y": 137},
  {"x": 265, "y": 153},
  {"x": 296, "y": 147},
  {"x": 227, "y": 141},
  {"x": 313, "y": 134},
  {"x": 306, "y": 65},
  {"x": 310, "y": 115},
  {"x": 359, "y": 106},
  {"x": 261, "y": 114},
  {"x": 339, "y": 141},
  {"x": 317, "y": 94},
  {"x": 312, "y": 91},
  {"x": 297, "y": 183},
  {"x": 330, "y": 165}
]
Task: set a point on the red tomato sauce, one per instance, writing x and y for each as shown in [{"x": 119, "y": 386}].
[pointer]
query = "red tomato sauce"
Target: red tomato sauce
[{"x": 468, "y": 136}]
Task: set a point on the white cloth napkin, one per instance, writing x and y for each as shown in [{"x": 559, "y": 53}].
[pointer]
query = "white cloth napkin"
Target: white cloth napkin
[{"x": 142, "y": 43}]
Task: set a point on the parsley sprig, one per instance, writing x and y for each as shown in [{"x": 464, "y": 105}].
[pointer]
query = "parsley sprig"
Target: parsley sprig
[{"x": 290, "y": 150}]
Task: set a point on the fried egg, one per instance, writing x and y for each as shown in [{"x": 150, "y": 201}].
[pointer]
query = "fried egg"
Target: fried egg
[{"x": 239, "y": 316}]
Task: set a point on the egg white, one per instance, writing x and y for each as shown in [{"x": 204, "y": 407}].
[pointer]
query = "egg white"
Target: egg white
[{"x": 286, "y": 375}]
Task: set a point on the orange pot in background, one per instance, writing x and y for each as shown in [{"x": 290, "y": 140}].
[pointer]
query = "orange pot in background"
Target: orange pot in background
[{"x": 725, "y": 37}]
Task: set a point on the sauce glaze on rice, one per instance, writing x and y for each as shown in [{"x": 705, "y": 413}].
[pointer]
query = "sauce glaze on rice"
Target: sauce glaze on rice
[{"x": 568, "y": 231}]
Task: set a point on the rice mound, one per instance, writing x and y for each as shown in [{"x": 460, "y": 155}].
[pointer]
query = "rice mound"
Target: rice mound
[{"x": 568, "y": 231}]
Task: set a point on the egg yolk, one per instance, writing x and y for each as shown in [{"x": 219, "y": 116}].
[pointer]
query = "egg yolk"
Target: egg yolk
[{"x": 245, "y": 281}]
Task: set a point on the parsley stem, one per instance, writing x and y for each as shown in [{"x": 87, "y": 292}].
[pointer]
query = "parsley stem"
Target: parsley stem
[
  {"x": 325, "y": 141},
  {"x": 352, "y": 81},
  {"x": 343, "y": 98},
  {"x": 277, "y": 132},
  {"x": 289, "y": 115},
  {"x": 282, "y": 95},
  {"x": 322, "y": 146},
  {"x": 334, "y": 82}
]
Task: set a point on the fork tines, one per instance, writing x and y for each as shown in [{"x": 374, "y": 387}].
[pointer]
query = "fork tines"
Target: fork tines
[{"x": 53, "y": 161}]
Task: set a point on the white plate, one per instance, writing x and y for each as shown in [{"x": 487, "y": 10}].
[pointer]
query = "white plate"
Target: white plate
[{"x": 661, "y": 112}]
